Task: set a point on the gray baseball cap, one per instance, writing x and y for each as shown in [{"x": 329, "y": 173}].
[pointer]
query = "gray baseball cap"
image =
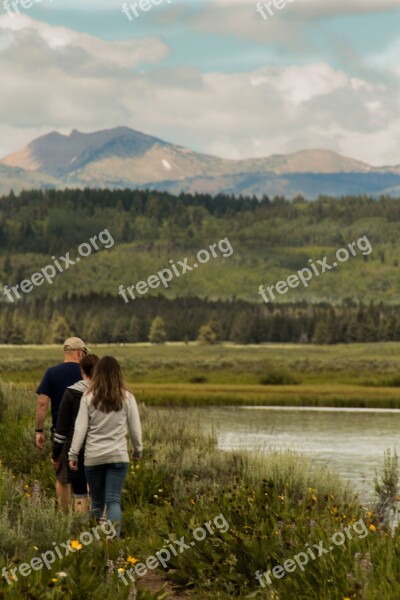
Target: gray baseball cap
[{"x": 75, "y": 343}]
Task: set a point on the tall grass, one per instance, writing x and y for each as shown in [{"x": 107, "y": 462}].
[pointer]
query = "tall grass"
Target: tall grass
[
  {"x": 273, "y": 503},
  {"x": 387, "y": 489}
]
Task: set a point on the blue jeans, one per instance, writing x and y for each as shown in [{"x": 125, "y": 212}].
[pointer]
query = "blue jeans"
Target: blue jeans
[{"x": 105, "y": 486}]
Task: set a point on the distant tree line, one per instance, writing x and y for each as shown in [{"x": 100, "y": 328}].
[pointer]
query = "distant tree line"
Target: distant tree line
[
  {"x": 36, "y": 221},
  {"x": 104, "y": 320}
]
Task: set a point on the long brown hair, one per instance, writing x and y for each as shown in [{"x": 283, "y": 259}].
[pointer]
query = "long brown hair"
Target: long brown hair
[{"x": 108, "y": 386}]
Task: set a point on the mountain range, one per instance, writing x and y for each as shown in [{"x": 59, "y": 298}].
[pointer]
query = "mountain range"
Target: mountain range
[{"x": 124, "y": 158}]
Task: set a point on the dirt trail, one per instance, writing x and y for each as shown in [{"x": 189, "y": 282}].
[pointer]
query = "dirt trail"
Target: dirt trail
[{"x": 153, "y": 582}]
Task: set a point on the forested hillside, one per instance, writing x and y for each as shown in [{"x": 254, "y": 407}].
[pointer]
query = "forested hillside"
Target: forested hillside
[{"x": 271, "y": 239}]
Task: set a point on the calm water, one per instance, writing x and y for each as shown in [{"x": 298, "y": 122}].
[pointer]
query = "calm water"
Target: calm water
[{"x": 350, "y": 441}]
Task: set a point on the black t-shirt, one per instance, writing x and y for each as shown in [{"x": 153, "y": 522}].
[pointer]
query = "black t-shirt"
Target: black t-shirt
[{"x": 54, "y": 383}]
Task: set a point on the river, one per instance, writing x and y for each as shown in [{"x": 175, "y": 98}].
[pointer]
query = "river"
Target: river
[{"x": 351, "y": 442}]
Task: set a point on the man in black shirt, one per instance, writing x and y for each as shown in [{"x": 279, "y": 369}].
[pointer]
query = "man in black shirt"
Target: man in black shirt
[{"x": 51, "y": 390}]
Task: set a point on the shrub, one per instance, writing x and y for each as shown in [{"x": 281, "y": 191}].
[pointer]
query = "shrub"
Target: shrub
[
  {"x": 198, "y": 379},
  {"x": 387, "y": 489},
  {"x": 279, "y": 376}
]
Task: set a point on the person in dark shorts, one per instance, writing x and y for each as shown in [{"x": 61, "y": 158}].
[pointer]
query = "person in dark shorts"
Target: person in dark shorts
[
  {"x": 51, "y": 390},
  {"x": 64, "y": 431}
]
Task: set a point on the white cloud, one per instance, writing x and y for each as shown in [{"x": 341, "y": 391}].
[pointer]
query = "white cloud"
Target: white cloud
[
  {"x": 121, "y": 54},
  {"x": 242, "y": 20},
  {"x": 60, "y": 79},
  {"x": 387, "y": 60},
  {"x": 334, "y": 8},
  {"x": 319, "y": 8},
  {"x": 299, "y": 84},
  {"x": 287, "y": 26}
]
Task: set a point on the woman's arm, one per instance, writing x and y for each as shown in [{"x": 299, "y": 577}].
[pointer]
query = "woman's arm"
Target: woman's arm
[
  {"x": 81, "y": 427},
  {"x": 134, "y": 426}
]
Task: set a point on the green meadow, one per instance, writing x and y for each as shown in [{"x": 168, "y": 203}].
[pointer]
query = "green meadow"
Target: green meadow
[{"x": 357, "y": 375}]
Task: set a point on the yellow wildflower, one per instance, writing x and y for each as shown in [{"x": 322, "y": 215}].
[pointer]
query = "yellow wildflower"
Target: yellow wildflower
[
  {"x": 76, "y": 545},
  {"x": 132, "y": 560},
  {"x": 372, "y": 527}
]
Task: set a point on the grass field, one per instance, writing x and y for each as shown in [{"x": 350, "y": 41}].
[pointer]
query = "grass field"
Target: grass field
[
  {"x": 270, "y": 506},
  {"x": 271, "y": 503},
  {"x": 359, "y": 375}
]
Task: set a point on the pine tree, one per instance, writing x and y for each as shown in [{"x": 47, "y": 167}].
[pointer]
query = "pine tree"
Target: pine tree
[
  {"x": 34, "y": 333},
  {"x": 120, "y": 333},
  {"x": 241, "y": 328},
  {"x": 7, "y": 266},
  {"x": 207, "y": 334},
  {"x": 134, "y": 330},
  {"x": 59, "y": 329},
  {"x": 5, "y": 325},
  {"x": 157, "y": 334},
  {"x": 17, "y": 329},
  {"x": 321, "y": 332},
  {"x": 100, "y": 328}
]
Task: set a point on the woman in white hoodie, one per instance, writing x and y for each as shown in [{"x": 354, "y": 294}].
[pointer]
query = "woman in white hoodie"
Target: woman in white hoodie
[{"x": 107, "y": 410}]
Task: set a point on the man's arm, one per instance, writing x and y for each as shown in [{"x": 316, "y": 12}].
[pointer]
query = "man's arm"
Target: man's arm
[
  {"x": 63, "y": 425},
  {"x": 41, "y": 412}
]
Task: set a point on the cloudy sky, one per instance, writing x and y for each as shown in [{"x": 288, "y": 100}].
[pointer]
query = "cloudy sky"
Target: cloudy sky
[{"x": 213, "y": 75}]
